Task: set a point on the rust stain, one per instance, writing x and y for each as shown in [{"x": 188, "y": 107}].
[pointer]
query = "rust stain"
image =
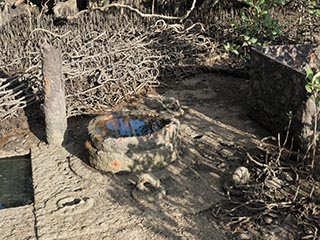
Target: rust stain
[
  {"x": 115, "y": 164},
  {"x": 87, "y": 145},
  {"x": 47, "y": 87},
  {"x": 107, "y": 118},
  {"x": 144, "y": 180}
]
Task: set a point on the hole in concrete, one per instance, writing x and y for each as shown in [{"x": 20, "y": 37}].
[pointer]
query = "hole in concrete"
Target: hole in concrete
[
  {"x": 15, "y": 182},
  {"x": 72, "y": 202}
]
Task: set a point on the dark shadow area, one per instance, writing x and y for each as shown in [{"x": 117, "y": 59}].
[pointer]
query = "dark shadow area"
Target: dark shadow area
[
  {"x": 191, "y": 189},
  {"x": 186, "y": 205},
  {"x": 16, "y": 182},
  {"x": 77, "y": 135},
  {"x": 277, "y": 91},
  {"x": 20, "y": 108},
  {"x": 35, "y": 119},
  {"x": 215, "y": 108}
]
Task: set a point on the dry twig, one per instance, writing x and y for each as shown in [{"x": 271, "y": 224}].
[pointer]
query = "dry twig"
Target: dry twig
[{"x": 106, "y": 58}]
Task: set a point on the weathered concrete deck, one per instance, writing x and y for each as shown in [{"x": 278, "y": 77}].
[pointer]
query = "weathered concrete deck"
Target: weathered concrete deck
[{"x": 73, "y": 201}]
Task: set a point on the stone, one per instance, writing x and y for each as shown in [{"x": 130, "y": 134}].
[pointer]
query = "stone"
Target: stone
[
  {"x": 267, "y": 219},
  {"x": 152, "y": 192},
  {"x": 244, "y": 236},
  {"x": 131, "y": 151},
  {"x": 277, "y": 91},
  {"x": 241, "y": 176}
]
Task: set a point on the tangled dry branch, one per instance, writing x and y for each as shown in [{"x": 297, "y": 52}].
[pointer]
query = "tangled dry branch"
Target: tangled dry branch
[
  {"x": 106, "y": 57},
  {"x": 281, "y": 195},
  {"x": 13, "y": 95},
  {"x": 137, "y": 11},
  {"x": 183, "y": 47}
]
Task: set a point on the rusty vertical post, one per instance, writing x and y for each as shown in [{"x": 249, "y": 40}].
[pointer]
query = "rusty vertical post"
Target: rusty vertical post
[{"x": 54, "y": 102}]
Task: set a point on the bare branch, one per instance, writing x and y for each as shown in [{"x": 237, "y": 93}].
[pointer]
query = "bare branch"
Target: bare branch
[{"x": 141, "y": 14}]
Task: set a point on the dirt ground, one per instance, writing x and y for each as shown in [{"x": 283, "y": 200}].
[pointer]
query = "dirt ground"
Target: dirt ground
[{"x": 216, "y": 133}]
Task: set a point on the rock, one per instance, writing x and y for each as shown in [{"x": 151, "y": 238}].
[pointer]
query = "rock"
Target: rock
[
  {"x": 241, "y": 176},
  {"x": 288, "y": 177},
  {"x": 109, "y": 151},
  {"x": 148, "y": 189},
  {"x": 267, "y": 219},
  {"x": 244, "y": 236},
  {"x": 173, "y": 105}
]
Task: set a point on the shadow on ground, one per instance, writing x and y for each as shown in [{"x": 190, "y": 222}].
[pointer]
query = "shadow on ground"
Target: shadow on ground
[{"x": 215, "y": 133}]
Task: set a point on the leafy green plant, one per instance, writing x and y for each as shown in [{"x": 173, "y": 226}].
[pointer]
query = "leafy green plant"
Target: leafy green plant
[
  {"x": 250, "y": 41},
  {"x": 231, "y": 48},
  {"x": 257, "y": 21},
  {"x": 313, "y": 87},
  {"x": 313, "y": 83},
  {"x": 308, "y": 13},
  {"x": 313, "y": 8},
  {"x": 256, "y": 27}
]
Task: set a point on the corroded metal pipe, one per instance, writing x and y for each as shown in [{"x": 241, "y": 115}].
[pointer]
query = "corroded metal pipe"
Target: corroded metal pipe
[{"x": 54, "y": 102}]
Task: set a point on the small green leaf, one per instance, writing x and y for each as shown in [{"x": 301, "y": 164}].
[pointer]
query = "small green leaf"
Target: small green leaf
[
  {"x": 317, "y": 78},
  {"x": 235, "y": 51},
  {"x": 308, "y": 88},
  {"x": 244, "y": 17},
  {"x": 309, "y": 73},
  {"x": 227, "y": 46},
  {"x": 254, "y": 40},
  {"x": 246, "y": 38}
]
